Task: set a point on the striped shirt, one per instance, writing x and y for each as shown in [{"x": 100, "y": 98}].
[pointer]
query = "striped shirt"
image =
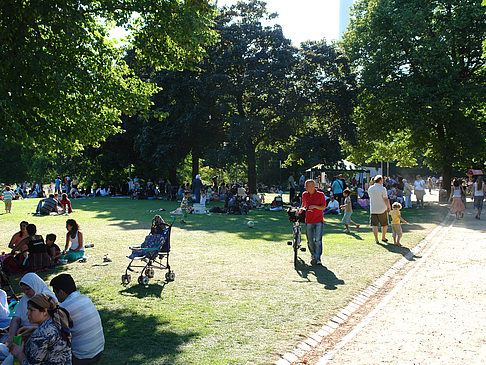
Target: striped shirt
[
  {"x": 88, "y": 339},
  {"x": 8, "y": 195}
]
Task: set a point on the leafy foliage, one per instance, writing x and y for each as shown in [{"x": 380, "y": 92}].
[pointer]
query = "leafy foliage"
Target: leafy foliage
[
  {"x": 63, "y": 85},
  {"x": 422, "y": 79}
]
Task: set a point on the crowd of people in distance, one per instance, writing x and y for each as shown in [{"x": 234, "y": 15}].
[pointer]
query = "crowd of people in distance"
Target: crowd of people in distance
[
  {"x": 31, "y": 253},
  {"x": 398, "y": 189}
]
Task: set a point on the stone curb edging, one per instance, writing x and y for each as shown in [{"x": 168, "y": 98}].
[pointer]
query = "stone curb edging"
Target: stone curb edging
[{"x": 359, "y": 300}]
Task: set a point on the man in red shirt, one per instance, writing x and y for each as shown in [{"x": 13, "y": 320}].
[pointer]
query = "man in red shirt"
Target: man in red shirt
[{"x": 315, "y": 202}]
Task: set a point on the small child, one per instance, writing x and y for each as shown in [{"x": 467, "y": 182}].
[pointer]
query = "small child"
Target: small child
[
  {"x": 348, "y": 211},
  {"x": 185, "y": 206},
  {"x": 52, "y": 249},
  {"x": 396, "y": 225}
]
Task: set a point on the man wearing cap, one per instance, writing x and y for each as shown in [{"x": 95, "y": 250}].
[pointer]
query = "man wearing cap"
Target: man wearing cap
[{"x": 379, "y": 208}]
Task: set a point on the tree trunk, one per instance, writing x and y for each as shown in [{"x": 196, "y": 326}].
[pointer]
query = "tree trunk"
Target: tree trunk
[
  {"x": 172, "y": 176},
  {"x": 195, "y": 161},
  {"x": 446, "y": 178},
  {"x": 252, "y": 168}
]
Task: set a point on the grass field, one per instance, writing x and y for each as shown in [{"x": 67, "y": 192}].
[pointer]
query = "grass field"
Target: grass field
[{"x": 236, "y": 298}]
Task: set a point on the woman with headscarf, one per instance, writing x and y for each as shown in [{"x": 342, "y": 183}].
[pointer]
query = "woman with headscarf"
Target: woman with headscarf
[
  {"x": 4, "y": 311},
  {"x": 31, "y": 284},
  {"x": 50, "y": 343}
]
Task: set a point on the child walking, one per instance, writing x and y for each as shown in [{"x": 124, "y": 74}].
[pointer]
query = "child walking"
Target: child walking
[
  {"x": 348, "y": 211},
  {"x": 396, "y": 223}
]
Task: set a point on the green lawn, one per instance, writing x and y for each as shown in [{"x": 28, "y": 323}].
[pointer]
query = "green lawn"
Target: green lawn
[{"x": 236, "y": 298}]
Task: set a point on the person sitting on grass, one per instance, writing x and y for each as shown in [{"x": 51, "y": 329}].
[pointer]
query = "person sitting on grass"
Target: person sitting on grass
[
  {"x": 47, "y": 206},
  {"x": 88, "y": 341},
  {"x": 37, "y": 258},
  {"x": 348, "y": 211},
  {"x": 52, "y": 249},
  {"x": 31, "y": 284},
  {"x": 20, "y": 235},
  {"x": 66, "y": 204},
  {"x": 50, "y": 342},
  {"x": 75, "y": 239},
  {"x": 396, "y": 223},
  {"x": 332, "y": 206}
]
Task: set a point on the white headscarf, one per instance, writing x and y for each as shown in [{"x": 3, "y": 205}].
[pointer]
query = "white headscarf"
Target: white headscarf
[
  {"x": 4, "y": 311},
  {"x": 38, "y": 285}
]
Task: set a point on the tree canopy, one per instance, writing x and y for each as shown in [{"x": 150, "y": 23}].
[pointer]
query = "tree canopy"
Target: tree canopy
[
  {"x": 421, "y": 80},
  {"x": 64, "y": 85}
]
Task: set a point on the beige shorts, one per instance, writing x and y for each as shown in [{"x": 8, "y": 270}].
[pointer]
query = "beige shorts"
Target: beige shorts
[{"x": 396, "y": 230}]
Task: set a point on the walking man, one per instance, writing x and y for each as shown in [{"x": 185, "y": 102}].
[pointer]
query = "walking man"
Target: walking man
[
  {"x": 315, "y": 202},
  {"x": 379, "y": 208}
]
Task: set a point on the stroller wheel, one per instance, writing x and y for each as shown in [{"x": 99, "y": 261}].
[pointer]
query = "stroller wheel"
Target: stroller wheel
[
  {"x": 143, "y": 280},
  {"x": 170, "y": 276},
  {"x": 126, "y": 279},
  {"x": 149, "y": 272}
]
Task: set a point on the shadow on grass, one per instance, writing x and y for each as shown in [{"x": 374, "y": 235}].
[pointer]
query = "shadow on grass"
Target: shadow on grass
[
  {"x": 141, "y": 291},
  {"x": 269, "y": 226},
  {"x": 135, "y": 338},
  {"x": 322, "y": 274},
  {"x": 402, "y": 250}
]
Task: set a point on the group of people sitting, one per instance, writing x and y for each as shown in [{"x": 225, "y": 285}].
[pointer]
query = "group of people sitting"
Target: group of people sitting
[
  {"x": 54, "y": 205},
  {"x": 31, "y": 253},
  {"x": 61, "y": 326}
]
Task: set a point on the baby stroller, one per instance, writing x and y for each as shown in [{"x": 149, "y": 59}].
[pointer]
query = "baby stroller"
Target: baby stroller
[{"x": 151, "y": 255}]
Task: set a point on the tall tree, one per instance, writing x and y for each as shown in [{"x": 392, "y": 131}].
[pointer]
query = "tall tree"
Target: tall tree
[
  {"x": 63, "y": 84},
  {"x": 422, "y": 75},
  {"x": 324, "y": 96},
  {"x": 254, "y": 64}
]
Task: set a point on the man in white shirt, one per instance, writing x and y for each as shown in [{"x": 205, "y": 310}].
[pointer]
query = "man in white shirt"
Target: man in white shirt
[
  {"x": 332, "y": 206},
  {"x": 88, "y": 341},
  {"x": 379, "y": 208},
  {"x": 419, "y": 190}
]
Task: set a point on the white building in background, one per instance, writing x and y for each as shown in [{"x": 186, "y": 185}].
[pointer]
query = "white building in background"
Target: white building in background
[{"x": 344, "y": 9}]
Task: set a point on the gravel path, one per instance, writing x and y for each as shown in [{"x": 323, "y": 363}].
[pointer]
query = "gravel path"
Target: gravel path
[{"x": 437, "y": 314}]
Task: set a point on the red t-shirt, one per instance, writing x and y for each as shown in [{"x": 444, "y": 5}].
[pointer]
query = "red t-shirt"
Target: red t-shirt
[{"x": 318, "y": 198}]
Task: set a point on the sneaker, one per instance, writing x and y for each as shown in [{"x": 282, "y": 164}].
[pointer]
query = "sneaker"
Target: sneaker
[
  {"x": 385, "y": 240},
  {"x": 318, "y": 262},
  {"x": 183, "y": 221},
  {"x": 346, "y": 231}
]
